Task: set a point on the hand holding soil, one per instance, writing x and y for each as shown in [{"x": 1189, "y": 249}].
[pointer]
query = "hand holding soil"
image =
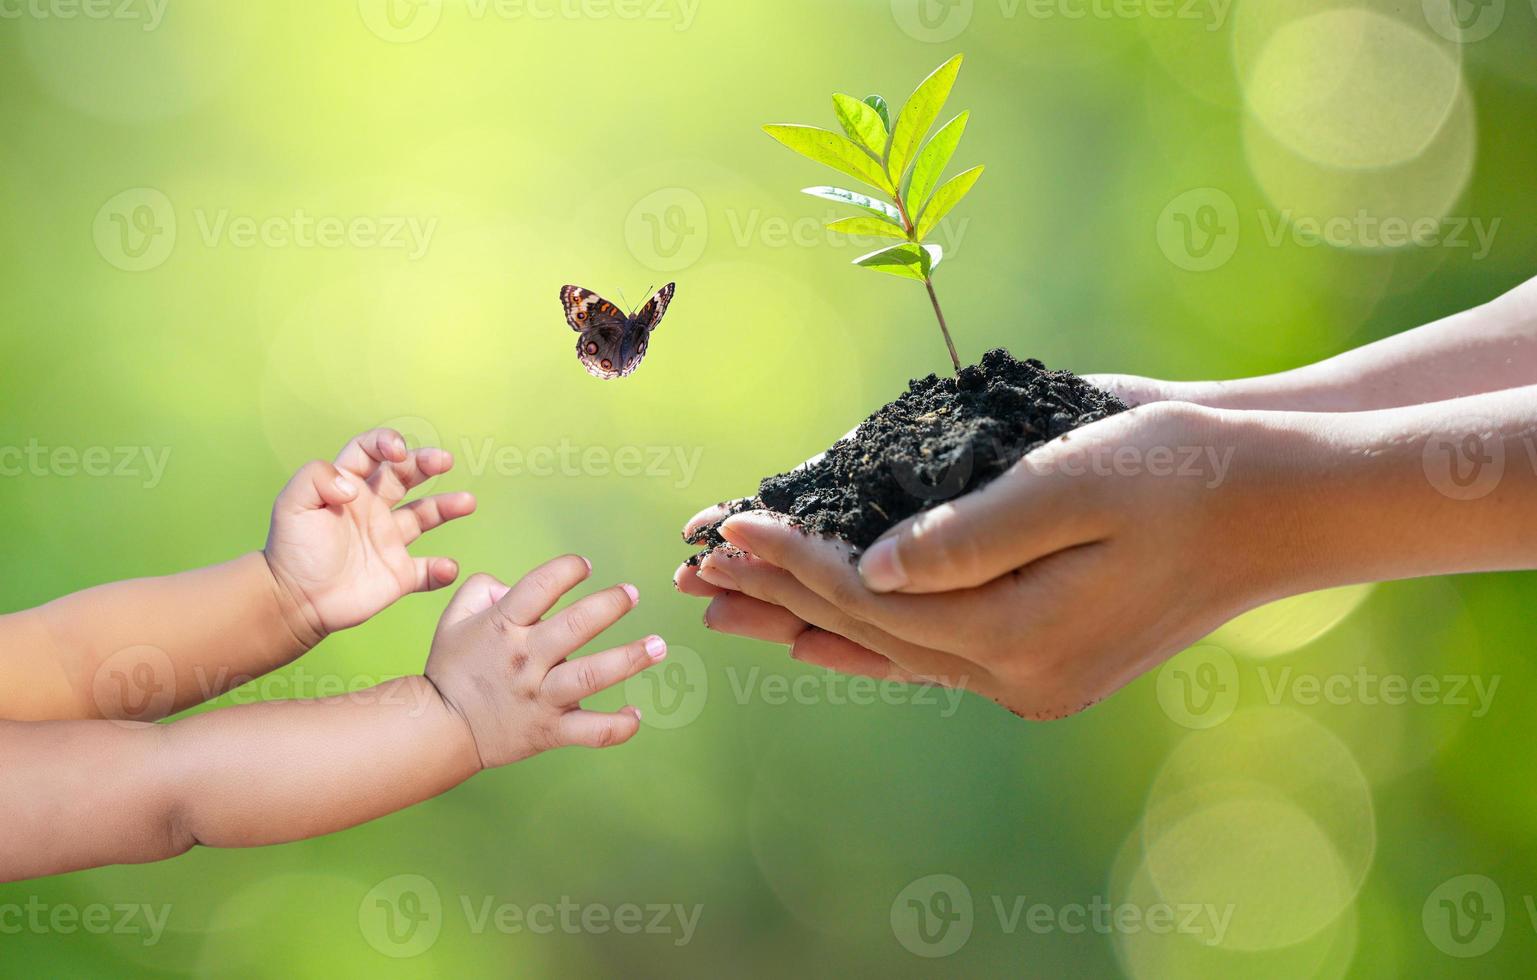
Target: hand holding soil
[{"x": 1107, "y": 550}]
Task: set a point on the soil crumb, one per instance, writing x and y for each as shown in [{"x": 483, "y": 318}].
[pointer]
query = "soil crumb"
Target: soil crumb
[{"x": 943, "y": 438}]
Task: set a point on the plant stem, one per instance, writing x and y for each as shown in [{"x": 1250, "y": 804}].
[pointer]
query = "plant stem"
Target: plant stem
[
  {"x": 928, "y": 281},
  {"x": 955, "y": 359}
]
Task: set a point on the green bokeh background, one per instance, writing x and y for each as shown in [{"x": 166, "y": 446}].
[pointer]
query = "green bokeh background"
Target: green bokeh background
[{"x": 617, "y": 145}]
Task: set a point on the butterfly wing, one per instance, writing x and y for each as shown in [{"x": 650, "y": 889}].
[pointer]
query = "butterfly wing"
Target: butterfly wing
[
  {"x": 637, "y": 334},
  {"x": 602, "y": 330},
  {"x": 656, "y": 307}
]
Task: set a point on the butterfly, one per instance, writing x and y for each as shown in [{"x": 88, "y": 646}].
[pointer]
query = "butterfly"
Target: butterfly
[{"x": 611, "y": 344}]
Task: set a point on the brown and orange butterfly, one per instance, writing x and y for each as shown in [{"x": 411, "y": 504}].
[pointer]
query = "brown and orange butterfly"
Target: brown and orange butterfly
[{"x": 610, "y": 344}]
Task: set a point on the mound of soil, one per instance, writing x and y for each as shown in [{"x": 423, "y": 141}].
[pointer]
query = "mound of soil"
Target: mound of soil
[{"x": 944, "y": 438}]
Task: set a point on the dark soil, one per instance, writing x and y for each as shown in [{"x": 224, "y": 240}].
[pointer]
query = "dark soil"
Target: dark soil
[{"x": 944, "y": 438}]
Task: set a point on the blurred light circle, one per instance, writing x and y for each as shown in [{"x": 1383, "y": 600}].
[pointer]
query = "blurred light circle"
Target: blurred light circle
[
  {"x": 1383, "y": 209},
  {"x": 1269, "y": 813},
  {"x": 1254, "y": 24},
  {"x": 1292, "y": 623},
  {"x": 1182, "y": 949},
  {"x": 1352, "y": 88},
  {"x": 1257, "y": 858}
]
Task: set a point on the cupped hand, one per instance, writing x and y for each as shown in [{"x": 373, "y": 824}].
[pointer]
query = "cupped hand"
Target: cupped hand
[
  {"x": 337, "y": 545},
  {"x": 1094, "y": 559},
  {"x": 502, "y": 666}
]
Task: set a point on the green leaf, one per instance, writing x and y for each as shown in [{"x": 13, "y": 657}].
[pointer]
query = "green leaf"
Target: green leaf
[
  {"x": 908, "y": 261},
  {"x": 933, "y": 161},
  {"x": 881, "y": 109},
  {"x": 862, "y": 123},
  {"x": 834, "y": 150},
  {"x": 878, "y": 208},
  {"x": 936, "y": 256},
  {"x": 946, "y": 198},
  {"x": 874, "y": 227},
  {"x": 918, "y": 116}
]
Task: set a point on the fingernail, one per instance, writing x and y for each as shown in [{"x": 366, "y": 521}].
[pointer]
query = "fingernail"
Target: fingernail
[
  {"x": 881, "y": 567},
  {"x": 587, "y": 563},
  {"x": 656, "y": 648},
  {"x": 638, "y": 715},
  {"x": 717, "y": 576},
  {"x": 345, "y": 485},
  {"x": 632, "y": 592}
]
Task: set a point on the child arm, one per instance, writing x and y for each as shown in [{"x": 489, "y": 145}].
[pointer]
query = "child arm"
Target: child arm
[
  {"x": 498, "y": 688},
  {"x": 145, "y": 649}
]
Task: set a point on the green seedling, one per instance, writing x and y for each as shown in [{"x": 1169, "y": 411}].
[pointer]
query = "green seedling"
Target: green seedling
[{"x": 888, "y": 158}]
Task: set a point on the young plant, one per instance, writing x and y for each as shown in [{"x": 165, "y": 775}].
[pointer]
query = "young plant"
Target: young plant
[{"x": 887, "y": 158}]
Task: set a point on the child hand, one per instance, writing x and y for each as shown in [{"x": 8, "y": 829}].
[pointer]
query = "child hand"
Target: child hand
[
  {"x": 337, "y": 546},
  {"x": 503, "y": 668}
]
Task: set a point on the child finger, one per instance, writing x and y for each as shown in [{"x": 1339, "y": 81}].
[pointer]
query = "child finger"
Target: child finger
[
  {"x": 582, "y": 621},
  {"x": 597, "y": 730},
  {"x": 574, "y": 680},
  {"x": 421, "y": 516},
  {"x": 317, "y": 485},
  {"x": 420, "y": 465},
  {"x": 537, "y": 592},
  {"x": 479, "y": 593},
  {"x": 434, "y": 573},
  {"x": 742, "y": 615},
  {"x": 369, "y": 451}
]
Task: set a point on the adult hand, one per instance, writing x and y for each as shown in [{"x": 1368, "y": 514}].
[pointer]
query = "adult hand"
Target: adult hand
[{"x": 1097, "y": 556}]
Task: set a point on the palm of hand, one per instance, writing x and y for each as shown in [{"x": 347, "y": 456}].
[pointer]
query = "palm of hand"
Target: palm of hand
[
  {"x": 345, "y": 564},
  {"x": 339, "y": 533}
]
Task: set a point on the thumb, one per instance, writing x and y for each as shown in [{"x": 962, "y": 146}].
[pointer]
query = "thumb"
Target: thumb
[
  {"x": 1019, "y": 518},
  {"x": 479, "y": 593},
  {"x": 318, "y": 484}
]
